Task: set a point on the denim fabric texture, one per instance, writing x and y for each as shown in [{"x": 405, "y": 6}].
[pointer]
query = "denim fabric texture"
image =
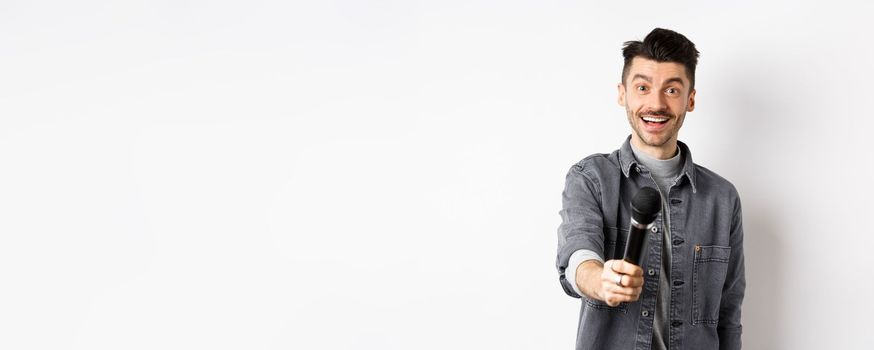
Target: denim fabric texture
[{"x": 707, "y": 267}]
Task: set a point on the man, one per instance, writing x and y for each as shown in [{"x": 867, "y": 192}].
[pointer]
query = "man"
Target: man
[{"x": 688, "y": 291}]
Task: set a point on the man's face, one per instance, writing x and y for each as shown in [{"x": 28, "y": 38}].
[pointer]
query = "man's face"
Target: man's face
[{"x": 656, "y": 97}]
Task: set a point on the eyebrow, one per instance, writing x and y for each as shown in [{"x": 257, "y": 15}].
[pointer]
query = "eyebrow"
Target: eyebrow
[{"x": 649, "y": 80}]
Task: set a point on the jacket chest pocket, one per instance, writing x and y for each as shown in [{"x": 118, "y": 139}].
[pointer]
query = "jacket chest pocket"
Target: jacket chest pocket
[{"x": 708, "y": 277}]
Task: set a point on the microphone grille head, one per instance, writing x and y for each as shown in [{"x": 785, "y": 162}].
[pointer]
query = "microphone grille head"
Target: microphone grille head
[{"x": 646, "y": 205}]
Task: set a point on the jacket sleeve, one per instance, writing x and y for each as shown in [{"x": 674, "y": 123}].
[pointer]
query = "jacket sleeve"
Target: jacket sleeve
[
  {"x": 581, "y": 221},
  {"x": 729, "y": 327}
]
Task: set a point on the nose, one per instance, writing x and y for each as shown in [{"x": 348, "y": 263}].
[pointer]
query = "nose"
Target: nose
[{"x": 657, "y": 101}]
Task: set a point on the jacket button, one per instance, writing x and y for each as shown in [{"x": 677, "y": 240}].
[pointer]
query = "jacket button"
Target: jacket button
[
  {"x": 654, "y": 229},
  {"x": 676, "y": 323},
  {"x": 650, "y": 272},
  {"x": 644, "y": 313}
]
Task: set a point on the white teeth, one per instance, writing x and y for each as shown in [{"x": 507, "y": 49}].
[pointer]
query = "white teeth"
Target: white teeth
[{"x": 654, "y": 119}]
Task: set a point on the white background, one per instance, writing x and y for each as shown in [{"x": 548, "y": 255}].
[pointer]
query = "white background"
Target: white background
[{"x": 388, "y": 174}]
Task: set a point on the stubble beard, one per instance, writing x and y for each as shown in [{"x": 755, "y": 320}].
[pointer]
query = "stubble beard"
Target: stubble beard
[{"x": 634, "y": 120}]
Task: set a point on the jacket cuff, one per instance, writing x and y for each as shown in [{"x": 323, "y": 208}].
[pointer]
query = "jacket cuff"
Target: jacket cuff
[{"x": 577, "y": 258}]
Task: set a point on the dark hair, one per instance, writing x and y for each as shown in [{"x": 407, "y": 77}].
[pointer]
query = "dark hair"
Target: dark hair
[{"x": 662, "y": 45}]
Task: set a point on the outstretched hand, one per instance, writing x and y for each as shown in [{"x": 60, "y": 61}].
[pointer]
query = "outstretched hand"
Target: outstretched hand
[{"x": 621, "y": 281}]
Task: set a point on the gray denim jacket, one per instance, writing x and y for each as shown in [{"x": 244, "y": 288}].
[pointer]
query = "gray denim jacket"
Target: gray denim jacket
[{"x": 707, "y": 267}]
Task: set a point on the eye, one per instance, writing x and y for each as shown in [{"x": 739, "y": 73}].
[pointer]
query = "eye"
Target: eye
[
  {"x": 671, "y": 91},
  {"x": 641, "y": 88}
]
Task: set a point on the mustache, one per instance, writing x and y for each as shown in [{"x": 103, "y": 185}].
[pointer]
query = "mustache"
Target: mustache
[{"x": 658, "y": 113}]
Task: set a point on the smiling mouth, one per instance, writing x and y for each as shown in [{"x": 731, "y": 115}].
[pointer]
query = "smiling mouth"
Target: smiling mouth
[{"x": 652, "y": 120}]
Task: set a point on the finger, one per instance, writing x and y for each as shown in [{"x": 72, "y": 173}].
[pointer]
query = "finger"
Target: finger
[
  {"x": 606, "y": 284},
  {"x": 618, "y": 298},
  {"x": 627, "y": 281},
  {"x": 622, "y": 297},
  {"x": 632, "y": 282},
  {"x": 627, "y": 268},
  {"x": 610, "y": 276},
  {"x": 623, "y": 291},
  {"x": 615, "y": 264},
  {"x": 608, "y": 265}
]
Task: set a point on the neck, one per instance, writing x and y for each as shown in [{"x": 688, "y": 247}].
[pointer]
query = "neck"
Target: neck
[{"x": 665, "y": 151}]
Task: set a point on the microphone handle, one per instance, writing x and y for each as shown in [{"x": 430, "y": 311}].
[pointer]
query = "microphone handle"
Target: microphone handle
[{"x": 635, "y": 244}]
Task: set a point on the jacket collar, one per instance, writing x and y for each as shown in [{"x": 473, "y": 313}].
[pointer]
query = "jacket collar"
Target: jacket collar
[{"x": 627, "y": 160}]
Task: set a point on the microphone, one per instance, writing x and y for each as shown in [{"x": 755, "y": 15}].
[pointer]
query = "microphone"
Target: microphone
[{"x": 644, "y": 208}]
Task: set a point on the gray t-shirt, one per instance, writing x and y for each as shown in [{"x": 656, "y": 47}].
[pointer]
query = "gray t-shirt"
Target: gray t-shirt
[{"x": 664, "y": 173}]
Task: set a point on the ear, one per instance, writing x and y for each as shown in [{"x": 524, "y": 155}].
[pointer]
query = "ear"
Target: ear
[
  {"x": 691, "y": 105},
  {"x": 621, "y": 99}
]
